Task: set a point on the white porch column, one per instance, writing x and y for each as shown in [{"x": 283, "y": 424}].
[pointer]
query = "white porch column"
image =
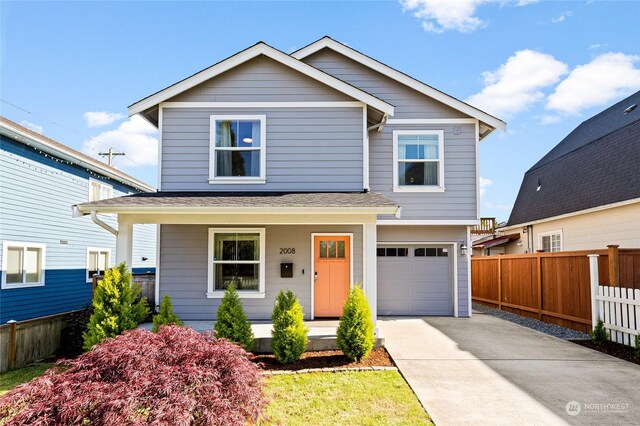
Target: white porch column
[
  {"x": 595, "y": 285},
  {"x": 370, "y": 237},
  {"x": 124, "y": 242}
]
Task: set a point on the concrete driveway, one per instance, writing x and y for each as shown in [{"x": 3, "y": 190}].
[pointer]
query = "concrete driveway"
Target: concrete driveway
[{"x": 484, "y": 370}]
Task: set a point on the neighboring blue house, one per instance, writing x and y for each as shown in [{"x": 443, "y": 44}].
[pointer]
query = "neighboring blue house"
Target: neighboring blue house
[{"x": 48, "y": 256}]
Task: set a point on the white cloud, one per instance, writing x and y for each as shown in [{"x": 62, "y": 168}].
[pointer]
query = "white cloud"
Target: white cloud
[
  {"x": 597, "y": 45},
  {"x": 607, "y": 77},
  {"x": 518, "y": 82},
  {"x": 97, "y": 119},
  {"x": 439, "y": 16},
  {"x": 562, "y": 17},
  {"x": 484, "y": 183},
  {"x": 29, "y": 125},
  {"x": 135, "y": 137},
  {"x": 550, "y": 119}
]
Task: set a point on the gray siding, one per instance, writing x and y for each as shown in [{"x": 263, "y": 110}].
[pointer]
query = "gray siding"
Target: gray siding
[
  {"x": 183, "y": 273},
  {"x": 408, "y": 103},
  {"x": 261, "y": 80},
  {"x": 435, "y": 234},
  {"x": 458, "y": 201},
  {"x": 307, "y": 149}
]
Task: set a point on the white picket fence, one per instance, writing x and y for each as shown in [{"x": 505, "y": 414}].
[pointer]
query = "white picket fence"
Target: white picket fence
[{"x": 619, "y": 309}]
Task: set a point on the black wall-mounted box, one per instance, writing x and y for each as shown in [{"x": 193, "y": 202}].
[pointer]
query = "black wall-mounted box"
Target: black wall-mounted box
[{"x": 286, "y": 270}]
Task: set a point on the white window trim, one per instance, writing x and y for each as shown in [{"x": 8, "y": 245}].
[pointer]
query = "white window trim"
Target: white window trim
[
  {"x": 101, "y": 250},
  {"x": 213, "y": 179},
  {"x": 419, "y": 188},
  {"x": 549, "y": 234},
  {"x": 102, "y": 184},
  {"x": 24, "y": 246},
  {"x": 212, "y": 293}
]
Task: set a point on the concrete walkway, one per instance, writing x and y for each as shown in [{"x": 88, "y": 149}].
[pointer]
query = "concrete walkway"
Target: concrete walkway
[{"x": 487, "y": 371}]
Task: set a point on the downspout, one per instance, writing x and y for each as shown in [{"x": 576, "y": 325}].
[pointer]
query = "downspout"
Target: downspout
[{"x": 97, "y": 221}]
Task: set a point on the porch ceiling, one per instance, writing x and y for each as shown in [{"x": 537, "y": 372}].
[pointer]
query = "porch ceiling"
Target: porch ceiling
[{"x": 244, "y": 202}]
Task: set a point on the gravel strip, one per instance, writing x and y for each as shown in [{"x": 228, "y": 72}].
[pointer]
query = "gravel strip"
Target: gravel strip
[{"x": 550, "y": 329}]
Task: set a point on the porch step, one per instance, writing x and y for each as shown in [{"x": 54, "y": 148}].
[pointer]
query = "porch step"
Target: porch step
[{"x": 315, "y": 343}]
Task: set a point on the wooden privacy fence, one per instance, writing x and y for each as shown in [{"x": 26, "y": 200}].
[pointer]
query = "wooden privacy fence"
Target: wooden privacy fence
[
  {"x": 146, "y": 282},
  {"x": 552, "y": 287}
]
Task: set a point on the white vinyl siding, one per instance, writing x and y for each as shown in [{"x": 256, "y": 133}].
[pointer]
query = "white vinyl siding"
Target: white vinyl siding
[{"x": 23, "y": 264}]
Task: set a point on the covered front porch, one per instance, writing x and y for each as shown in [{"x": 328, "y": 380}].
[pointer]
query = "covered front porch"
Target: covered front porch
[{"x": 317, "y": 245}]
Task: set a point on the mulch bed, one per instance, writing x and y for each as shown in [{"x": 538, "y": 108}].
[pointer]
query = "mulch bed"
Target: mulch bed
[
  {"x": 326, "y": 359},
  {"x": 617, "y": 350}
]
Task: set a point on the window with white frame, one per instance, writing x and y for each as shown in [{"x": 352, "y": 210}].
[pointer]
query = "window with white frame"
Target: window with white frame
[
  {"x": 237, "y": 149},
  {"x": 418, "y": 160},
  {"x": 99, "y": 190},
  {"x": 551, "y": 241},
  {"x": 98, "y": 260},
  {"x": 23, "y": 264},
  {"x": 236, "y": 257}
]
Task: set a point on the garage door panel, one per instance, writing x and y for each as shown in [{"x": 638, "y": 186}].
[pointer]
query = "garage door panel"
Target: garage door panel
[{"x": 415, "y": 285}]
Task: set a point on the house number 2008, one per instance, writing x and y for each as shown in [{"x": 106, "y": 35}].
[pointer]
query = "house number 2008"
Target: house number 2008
[{"x": 287, "y": 251}]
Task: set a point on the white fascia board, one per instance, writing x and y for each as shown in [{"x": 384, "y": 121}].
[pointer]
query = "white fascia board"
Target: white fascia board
[
  {"x": 400, "y": 77},
  {"x": 82, "y": 210},
  {"x": 566, "y": 215},
  {"x": 248, "y": 54},
  {"x": 68, "y": 155},
  {"x": 438, "y": 222}
]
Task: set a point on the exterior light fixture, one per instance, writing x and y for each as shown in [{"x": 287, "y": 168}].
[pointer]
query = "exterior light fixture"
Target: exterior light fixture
[{"x": 463, "y": 249}]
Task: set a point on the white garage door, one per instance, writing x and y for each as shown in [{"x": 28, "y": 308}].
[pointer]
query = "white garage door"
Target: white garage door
[{"x": 415, "y": 280}]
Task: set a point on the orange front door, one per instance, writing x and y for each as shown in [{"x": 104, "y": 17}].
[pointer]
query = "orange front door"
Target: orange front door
[{"x": 332, "y": 274}]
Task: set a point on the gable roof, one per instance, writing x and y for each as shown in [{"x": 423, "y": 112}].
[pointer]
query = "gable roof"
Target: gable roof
[
  {"x": 26, "y": 136},
  {"x": 595, "y": 165},
  {"x": 243, "y": 56},
  {"x": 327, "y": 42}
]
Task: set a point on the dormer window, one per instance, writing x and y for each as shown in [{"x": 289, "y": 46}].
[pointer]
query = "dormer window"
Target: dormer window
[
  {"x": 237, "y": 149},
  {"x": 418, "y": 161}
]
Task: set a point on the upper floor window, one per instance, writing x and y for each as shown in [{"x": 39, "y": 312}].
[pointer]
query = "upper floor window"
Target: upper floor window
[
  {"x": 237, "y": 149},
  {"x": 551, "y": 241},
  {"x": 23, "y": 264},
  {"x": 418, "y": 163},
  {"x": 99, "y": 191}
]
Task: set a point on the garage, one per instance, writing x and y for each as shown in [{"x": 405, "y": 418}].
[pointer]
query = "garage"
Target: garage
[{"x": 415, "y": 280}]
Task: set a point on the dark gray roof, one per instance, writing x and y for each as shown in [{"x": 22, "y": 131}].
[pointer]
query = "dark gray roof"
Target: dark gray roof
[
  {"x": 596, "y": 164},
  {"x": 246, "y": 199}
]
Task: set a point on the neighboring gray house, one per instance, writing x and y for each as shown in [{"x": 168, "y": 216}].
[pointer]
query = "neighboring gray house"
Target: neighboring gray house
[{"x": 310, "y": 172}]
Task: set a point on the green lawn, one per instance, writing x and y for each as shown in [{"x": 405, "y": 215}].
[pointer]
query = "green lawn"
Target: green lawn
[
  {"x": 346, "y": 398},
  {"x": 14, "y": 378}
]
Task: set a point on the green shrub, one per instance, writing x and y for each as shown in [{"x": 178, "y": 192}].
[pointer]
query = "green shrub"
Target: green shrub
[
  {"x": 638, "y": 346},
  {"x": 232, "y": 322},
  {"x": 599, "y": 334},
  {"x": 355, "y": 331},
  {"x": 165, "y": 315},
  {"x": 289, "y": 335},
  {"x": 115, "y": 308}
]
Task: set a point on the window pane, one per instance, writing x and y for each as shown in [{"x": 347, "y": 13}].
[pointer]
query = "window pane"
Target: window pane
[
  {"x": 249, "y": 133},
  {"x": 14, "y": 265},
  {"x": 341, "y": 249},
  {"x": 237, "y": 246},
  {"x": 95, "y": 191},
  {"x": 419, "y": 252},
  {"x": 403, "y": 252},
  {"x": 243, "y": 276},
  {"x": 392, "y": 252},
  {"x": 238, "y": 163},
  {"x": 323, "y": 249},
  {"x": 443, "y": 252},
  {"x": 103, "y": 262},
  {"x": 418, "y": 173},
  {"x": 226, "y": 133},
  {"x": 546, "y": 243},
  {"x": 32, "y": 265},
  {"x": 431, "y": 252},
  {"x": 332, "y": 248},
  {"x": 238, "y": 133},
  {"x": 381, "y": 252},
  {"x": 418, "y": 147}
]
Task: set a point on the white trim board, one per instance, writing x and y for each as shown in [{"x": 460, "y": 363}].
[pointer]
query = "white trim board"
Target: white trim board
[
  {"x": 432, "y": 121},
  {"x": 327, "y": 42},
  {"x": 313, "y": 265},
  {"x": 329, "y": 104},
  {"x": 439, "y": 222},
  {"x": 239, "y": 58}
]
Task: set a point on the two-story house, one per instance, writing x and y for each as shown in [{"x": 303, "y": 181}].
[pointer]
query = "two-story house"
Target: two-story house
[
  {"x": 48, "y": 258},
  {"x": 312, "y": 172}
]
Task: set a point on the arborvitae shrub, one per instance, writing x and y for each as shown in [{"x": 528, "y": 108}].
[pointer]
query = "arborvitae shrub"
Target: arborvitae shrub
[
  {"x": 165, "y": 315},
  {"x": 599, "y": 334},
  {"x": 355, "y": 331},
  {"x": 174, "y": 377},
  {"x": 232, "y": 322},
  {"x": 115, "y": 308},
  {"x": 289, "y": 334}
]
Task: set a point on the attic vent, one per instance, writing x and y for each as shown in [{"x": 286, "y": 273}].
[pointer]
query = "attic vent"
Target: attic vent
[
  {"x": 539, "y": 185},
  {"x": 631, "y": 108}
]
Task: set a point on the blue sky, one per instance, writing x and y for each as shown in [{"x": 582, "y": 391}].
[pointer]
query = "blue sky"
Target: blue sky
[{"x": 542, "y": 66}]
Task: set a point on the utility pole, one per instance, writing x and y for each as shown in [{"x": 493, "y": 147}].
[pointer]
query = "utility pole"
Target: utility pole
[{"x": 110, "y": 154}]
